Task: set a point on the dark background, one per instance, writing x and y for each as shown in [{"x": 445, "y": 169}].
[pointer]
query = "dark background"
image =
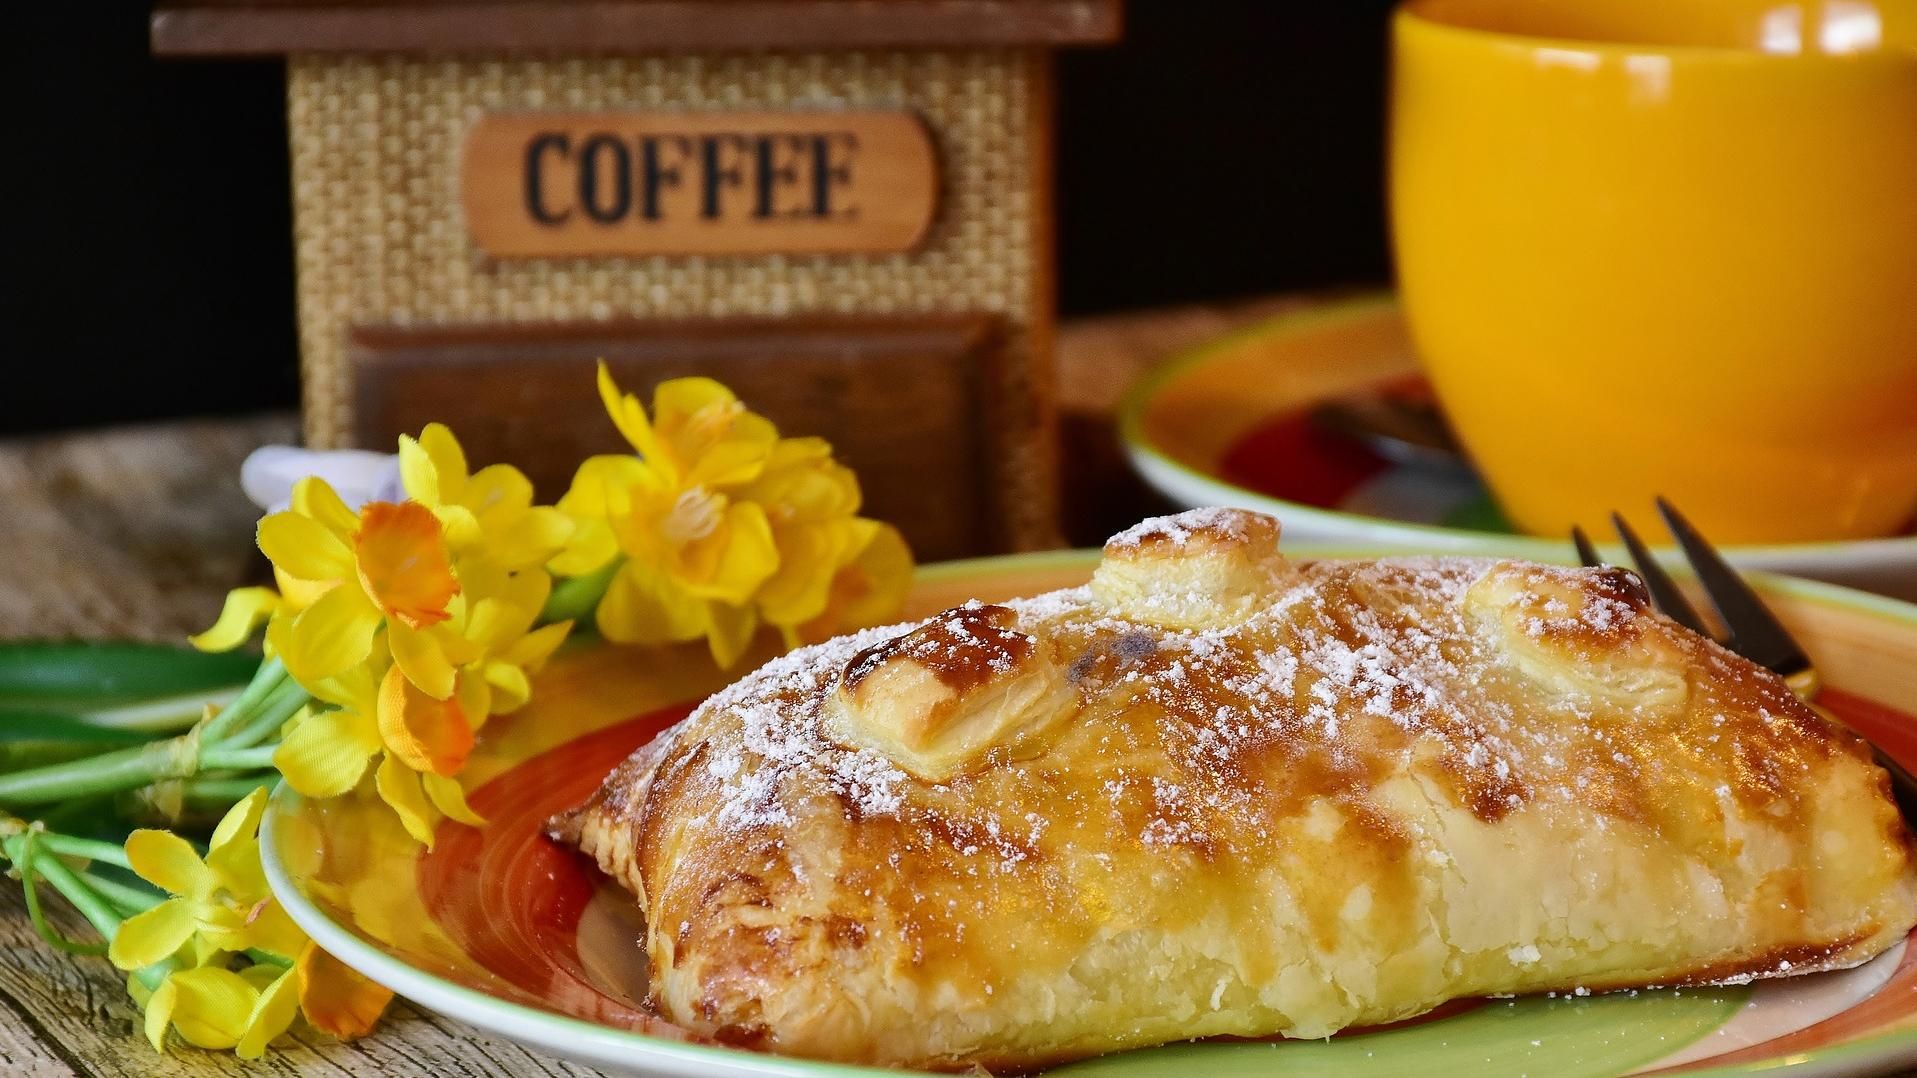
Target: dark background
[{"x": 1225, "y": 148}]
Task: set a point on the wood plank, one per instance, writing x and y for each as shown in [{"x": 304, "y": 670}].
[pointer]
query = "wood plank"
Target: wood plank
[
  {"x": 132, "y": 532},
  {"x": 256, "y": 28}
]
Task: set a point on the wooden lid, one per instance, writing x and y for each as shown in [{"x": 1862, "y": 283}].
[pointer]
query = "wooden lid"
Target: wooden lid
[{"x": 268, "y": 27}]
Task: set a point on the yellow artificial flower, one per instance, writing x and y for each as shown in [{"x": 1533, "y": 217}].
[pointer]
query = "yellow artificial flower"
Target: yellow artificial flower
[
  {"x": 386, "y": 565},
  {"x": 487, "y": 640},
  {"x": 505, "y": 649},
  {"x": 488, "y": 514},
  {"x": 208, "y": 1003},
  {"x": 210, "y": 1007},
  {"x": 699, "y": 435},
  {"x": 219, "y": 903},
  {"x": 723, "y": 526},
  {"x": 836, "y": 569},
  {"x": 276, "y": 1001},
  {"x": 694, "y": 552},
  {"x": 869, "y": 582},
  {"x": 246, "y": 1010},
  {"x": 694, "y": 558},
  {"x": 466, "y": 554},
  {"x": 334, "y": 998},
  {"x": 491, "y": 638},
  {"x": 599, "y": 488},
  {"x": 378, "y": 714},
  {"x": 244, "y": 611}
]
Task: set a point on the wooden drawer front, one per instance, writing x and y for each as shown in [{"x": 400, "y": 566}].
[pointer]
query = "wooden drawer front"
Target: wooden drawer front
[{"x": 904, "y": 401}]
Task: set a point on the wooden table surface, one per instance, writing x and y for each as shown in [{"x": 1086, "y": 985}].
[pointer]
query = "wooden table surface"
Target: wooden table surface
[{"x": 139, "y": 532}]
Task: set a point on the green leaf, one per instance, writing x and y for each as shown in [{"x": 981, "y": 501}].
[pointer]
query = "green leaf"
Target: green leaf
[
  {"x": 28, "y": 726},
  {"x": 159, "y": 715},
  {"x": 45, "y": 672},
  {"x": 33, "y": 738},
  {"x": 21, "y": 755}
]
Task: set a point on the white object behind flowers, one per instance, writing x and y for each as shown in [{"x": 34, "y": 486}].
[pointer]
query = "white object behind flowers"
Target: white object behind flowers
[{"x": 359, "y": 475}]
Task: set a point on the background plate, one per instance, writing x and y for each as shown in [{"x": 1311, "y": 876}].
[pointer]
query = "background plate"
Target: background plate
[
  {"x": 501, "y": 928},
  {"x": 1221, "y": 425}
]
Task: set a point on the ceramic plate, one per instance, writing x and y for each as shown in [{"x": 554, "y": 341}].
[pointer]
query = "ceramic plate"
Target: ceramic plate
[
  {"x": 1229, "y": 424},
  {"x": 501, "y": 928}
]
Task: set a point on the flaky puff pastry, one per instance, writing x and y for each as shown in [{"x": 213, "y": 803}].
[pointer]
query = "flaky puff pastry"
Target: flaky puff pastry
[{"x": 1220, "y": 793}]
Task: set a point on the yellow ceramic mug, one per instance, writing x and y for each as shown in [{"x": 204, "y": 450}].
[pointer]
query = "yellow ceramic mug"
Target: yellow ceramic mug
[{"x": 1667, "y": 247}]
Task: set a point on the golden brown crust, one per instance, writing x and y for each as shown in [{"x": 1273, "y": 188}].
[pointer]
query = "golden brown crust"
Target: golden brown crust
[
  {"x": 933, "y": 699},
  {"x": 1241, "y": 797}
]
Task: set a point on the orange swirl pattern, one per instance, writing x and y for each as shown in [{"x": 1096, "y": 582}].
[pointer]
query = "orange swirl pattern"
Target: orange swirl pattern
[{"x": 513, "y": 898}]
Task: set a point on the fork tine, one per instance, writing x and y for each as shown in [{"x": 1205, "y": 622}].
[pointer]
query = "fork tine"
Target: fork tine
[
  {"x": 1754, "y": 630},
  {"x": 1756, "y": 635},
  {"x": 1587, "y": 554},
  {"x": 1663, "y": 592}
]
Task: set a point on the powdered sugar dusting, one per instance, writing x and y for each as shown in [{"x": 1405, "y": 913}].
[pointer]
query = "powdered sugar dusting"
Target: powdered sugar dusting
[
  {"x": 1385, "y": 644},
  {"x": 1177, "y": 530},
  {"x": 1355, "y": 664},
  {"x": 779, "y": 735},
  {"x": 965, "y": 646}
]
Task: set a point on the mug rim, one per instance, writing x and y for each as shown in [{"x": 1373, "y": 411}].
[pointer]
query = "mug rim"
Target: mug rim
[{"x": 1413, "y": 13}]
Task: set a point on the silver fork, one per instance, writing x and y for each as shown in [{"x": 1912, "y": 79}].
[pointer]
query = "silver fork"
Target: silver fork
[{"x": 1751, "y": 630}]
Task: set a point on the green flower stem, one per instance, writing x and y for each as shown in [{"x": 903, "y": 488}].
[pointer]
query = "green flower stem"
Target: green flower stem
[
  {"x": 109, "y": 772},
  {"x": 87, "y": 848},
  {"x": 98, "y": 912},
  {"x": 268, "y": 958},
  {"x": 128, "y": 899},
  {"x": 29, "y": 868},
  {"x": 196, "y": 802},
  {"x": 279, "y": 706},
  {"x": 266, "y": 679},
  {"x": 221, "y": 758},
  {"x": 131, "y": 768},
  {"x": 155, "y": 975},
  {"x": 575, "y": 598}
]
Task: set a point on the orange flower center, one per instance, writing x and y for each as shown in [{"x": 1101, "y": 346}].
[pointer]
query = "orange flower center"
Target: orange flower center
[{"x": 400, "y": 553}]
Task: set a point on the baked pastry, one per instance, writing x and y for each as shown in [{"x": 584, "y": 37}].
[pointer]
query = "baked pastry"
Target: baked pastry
[{"x": 1218, "y": 792}]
